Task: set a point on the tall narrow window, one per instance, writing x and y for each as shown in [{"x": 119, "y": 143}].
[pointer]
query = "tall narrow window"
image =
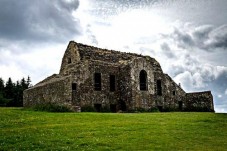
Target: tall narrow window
[
  {"x": 180, "y": 103},
  {"x": 74, "y": 86},
  {"x": 97, "y": 81},
  {"x": 112, "y": 83},
  {"x": 159, "y": 87},
  {"x": 69, "y": 60},
  {"x": 143, "y": 80}
]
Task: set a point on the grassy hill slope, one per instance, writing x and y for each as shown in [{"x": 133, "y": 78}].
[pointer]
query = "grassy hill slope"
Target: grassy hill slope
[{"x": 29, "y": 130}]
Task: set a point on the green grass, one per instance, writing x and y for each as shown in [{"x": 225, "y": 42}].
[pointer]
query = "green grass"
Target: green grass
[{"x": 31, "y": 130}]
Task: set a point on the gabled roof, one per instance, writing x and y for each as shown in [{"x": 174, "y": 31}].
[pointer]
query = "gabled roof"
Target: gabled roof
[{"x": 94, "y": 53}]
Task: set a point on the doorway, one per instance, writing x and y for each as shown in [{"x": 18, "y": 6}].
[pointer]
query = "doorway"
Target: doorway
[
  {"x": 113, "y": 108},
  {"x": 98, "y": 107},
  {"x": 122, "y": 105}
]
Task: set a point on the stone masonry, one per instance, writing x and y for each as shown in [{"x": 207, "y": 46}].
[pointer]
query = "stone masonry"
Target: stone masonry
[{"x": 116, "y": 81}]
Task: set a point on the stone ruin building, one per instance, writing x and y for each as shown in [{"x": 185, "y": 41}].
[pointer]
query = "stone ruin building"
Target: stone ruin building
[{"x": 103, "y": 79}]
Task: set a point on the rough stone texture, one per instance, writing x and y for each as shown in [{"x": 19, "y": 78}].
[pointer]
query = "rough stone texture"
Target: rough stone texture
[
  {"x": 202, "y": 101},
  {"x": 140, "y": 83}
]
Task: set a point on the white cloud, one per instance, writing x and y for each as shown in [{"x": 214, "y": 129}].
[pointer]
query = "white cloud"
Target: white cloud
[
  {"x": 37, "y": 64},
  {"x": 220, "y": 96},
  {"x": 185, "y": 79}
]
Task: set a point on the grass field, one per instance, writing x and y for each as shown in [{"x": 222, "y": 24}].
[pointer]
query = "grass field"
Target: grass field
[{"x": 30, "y": 130}]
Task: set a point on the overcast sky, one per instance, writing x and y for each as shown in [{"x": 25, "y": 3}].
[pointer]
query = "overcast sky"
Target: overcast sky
[{"x": 187, "y": 37}]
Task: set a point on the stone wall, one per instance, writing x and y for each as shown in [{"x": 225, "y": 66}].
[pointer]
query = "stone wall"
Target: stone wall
[
  {"x": 173, "y": 94},
  {"x": 70, "y": 57},
  {"x": 74, "y": 85},
  {"x": 199, "y": 101},
  {"x": 88, "y": 96},
  {"x": 142, "y": 98},
  {"x": 94, "y": 53},
  {"x": 55, "y": 91}
]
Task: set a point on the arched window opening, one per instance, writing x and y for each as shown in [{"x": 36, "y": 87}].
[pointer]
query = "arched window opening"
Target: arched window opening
[
  {"x": 143, "y": 80},
  {"x": 159, "y": 87}
]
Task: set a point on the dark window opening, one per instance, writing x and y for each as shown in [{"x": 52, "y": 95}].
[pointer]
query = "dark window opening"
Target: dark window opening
[
  {"x": 174, "y": 92},
  {"x": 112, "y": 83},
  {"x": 69, "y": 60},
  {"x": 74, "y": 86},
  {"x": 180, "y": 103},
  {"x": 97, "y": 81},
  {"x": 143, "y": 80},
  {"x": 122, "y": 105},
  {"x": 98, "y": 107},
  {"x": 160, "y": 108},
  {"x": 113, "y": 108},
  {"x": 159, "y": 87}
]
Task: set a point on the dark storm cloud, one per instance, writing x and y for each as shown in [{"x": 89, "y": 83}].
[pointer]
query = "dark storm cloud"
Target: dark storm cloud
[
  {"x": 38, "y": 20},
  {"x": 210, "y": 38},
  {"x": 204, "y": 37}
]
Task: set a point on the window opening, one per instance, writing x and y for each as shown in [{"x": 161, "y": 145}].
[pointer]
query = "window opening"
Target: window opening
[
  {"x": 143, "y": 80},
  {"x": 122, "y": 105},
  {"x": 160, "y": 108},
  {"x": 112, "y": 83},
  {"x": 174, "y": 92},
  {"x": 113, "y": 108},
  {"x": 97, "y": 81},
  {"x": 159, "y": 87},
  {"x": 69, "y": 60},
  {"x": 180, "y": 103},
  {"x": 74, "y": 86}
]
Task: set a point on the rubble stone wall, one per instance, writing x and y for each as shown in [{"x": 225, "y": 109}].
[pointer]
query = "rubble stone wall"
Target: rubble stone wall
[
  {"x": 142, "y": 98},
  {"x": 57, "y": 91},
  {"x": 173, "y": 94},
  {"x": 74, "y": 85},
  {"x": 199, "y": 101},
  {"x": 88, "y": 96},
  {"x": 93, "y": 53}
]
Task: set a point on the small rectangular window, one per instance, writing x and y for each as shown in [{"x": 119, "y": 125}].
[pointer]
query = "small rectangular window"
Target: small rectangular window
[
  {"x": 74, "y": 86},
  {"x": 159, "y": 87},
  {"x": 112, "y": 83},
  {"x": 174, "y": 92},
  {"x": 180, "y": 103},
  {"x": 97, "y": 81},
  {"x": 69, "y": 60}
]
